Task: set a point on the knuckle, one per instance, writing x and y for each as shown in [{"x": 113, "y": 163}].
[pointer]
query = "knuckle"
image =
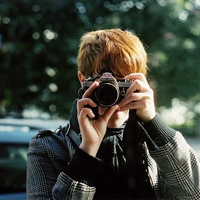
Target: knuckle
[
  {"x": 132, "y": 95},
  {"x": 136, "y": 81}
]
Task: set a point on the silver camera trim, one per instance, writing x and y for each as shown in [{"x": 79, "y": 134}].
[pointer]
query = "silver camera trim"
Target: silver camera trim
[{"x": 109, "y": 79}]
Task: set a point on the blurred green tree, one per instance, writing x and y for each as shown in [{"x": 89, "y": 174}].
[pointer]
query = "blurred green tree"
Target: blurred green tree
[{"x": 39, "y": 44}]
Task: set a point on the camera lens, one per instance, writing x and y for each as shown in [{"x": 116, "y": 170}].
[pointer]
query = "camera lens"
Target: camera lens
[{"x": 106, "y": 95}]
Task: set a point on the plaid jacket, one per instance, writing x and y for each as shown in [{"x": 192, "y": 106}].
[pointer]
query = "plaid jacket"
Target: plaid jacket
[{"x": 174, "y": 168}]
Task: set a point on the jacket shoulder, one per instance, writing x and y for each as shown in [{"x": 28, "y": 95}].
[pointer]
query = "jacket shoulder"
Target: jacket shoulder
[
  {"x": 49, "y": 137},
  {"x": 43, "y": 133},
  {"x": 57, "y": 132}
]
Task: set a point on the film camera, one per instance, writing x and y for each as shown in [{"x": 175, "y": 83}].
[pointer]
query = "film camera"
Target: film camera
[{"x": 109, "y": 91}]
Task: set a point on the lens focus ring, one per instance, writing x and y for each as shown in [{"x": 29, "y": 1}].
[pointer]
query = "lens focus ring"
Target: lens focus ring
[{"x": 106, "y": 94}]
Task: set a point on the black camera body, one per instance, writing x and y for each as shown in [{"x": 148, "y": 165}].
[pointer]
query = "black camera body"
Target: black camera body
[{"x": 109, "y": 91}]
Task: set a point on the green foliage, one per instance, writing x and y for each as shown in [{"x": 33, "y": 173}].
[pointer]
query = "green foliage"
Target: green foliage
[
  {"x": 187, "y": 131},
  {"x": 40, "y": 43},
  {"x": 38, "y": 67}
]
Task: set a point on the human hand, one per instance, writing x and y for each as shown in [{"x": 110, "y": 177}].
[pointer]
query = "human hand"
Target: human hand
[
  {"x": 92, "y": 130},
  {"x": 140, "y": 97}
]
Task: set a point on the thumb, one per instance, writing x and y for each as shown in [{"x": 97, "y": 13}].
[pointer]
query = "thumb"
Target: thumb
[{"x": 109, "y": 112}]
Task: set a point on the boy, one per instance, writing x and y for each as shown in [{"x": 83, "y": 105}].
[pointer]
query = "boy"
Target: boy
[{"x": 112, "y": 151}]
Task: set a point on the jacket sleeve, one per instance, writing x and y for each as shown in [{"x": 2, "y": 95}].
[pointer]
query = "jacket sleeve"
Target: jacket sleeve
[
  {"x": 179, "y": 168},
  {"x": 52, "y": 175}
]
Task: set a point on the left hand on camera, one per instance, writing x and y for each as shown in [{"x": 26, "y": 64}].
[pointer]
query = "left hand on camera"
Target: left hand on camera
[{"x": 140, "y": 97}]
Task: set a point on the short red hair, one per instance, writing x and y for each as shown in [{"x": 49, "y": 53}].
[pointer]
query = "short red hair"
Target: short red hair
[{"x": 116, "y": 51}]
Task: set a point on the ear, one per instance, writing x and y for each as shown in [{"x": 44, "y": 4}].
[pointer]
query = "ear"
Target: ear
[{"x": 81, "y": 77}]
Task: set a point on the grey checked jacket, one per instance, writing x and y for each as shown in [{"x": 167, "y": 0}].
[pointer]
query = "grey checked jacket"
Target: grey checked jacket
[{"x": 174, "y": 168}]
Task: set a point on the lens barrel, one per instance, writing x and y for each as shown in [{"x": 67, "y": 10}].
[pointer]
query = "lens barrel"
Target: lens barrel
[{"x": 106, "y": 94}]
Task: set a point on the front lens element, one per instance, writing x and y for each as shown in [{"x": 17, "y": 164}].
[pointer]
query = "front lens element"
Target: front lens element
[{"x": 106, "y": 95}]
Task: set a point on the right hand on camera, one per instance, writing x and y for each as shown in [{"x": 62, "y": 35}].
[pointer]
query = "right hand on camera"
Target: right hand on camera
[{"x": 92, "y": 131}]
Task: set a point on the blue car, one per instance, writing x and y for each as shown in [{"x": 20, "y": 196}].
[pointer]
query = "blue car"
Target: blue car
[{"x": 15, "y": 135}]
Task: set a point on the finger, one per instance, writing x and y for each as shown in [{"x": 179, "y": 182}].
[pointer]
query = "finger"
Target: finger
[
  {"x": 85, "y": 113},
  {"x": 82, "y": 103},
  {"x": 137, "y": 101},
  {"x": 137, "y": 91},
  {"x": 128, "y": 102},
  {"x": 134, "y": 76},
  {"x": 109, "y": 112},
  {"x": 137, "y": 86},
  {"x": 134, "y": 105},
  {"x": 89, "y": 91}
]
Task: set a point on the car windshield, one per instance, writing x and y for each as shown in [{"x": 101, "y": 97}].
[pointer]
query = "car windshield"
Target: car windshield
[{"x": 13, "y": 161}]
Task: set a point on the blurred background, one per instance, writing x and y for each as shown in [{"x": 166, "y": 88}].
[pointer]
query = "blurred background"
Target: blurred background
[
  {"x": 38, "y": 73},
  {"x": 39, "y": 43}
]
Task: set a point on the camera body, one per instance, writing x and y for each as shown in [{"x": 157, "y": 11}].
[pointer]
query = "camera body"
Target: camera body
[{"x": 109, "y": 91}]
